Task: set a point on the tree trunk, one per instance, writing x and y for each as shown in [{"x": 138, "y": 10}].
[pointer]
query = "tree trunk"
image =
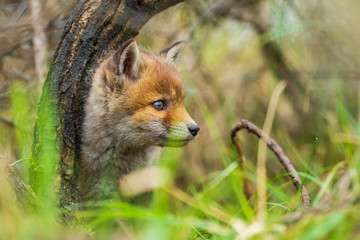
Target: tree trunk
[{"x": 94, "y": 28}]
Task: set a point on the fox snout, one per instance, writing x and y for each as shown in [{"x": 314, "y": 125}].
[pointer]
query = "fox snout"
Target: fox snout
[
  {"x": 180, "y": 134},
  {"x": 182, "y": 127},
  {"x": 194, "y": 129}
]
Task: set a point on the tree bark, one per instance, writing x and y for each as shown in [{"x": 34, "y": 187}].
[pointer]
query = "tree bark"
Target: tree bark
[{"x": 94, "y": 28}]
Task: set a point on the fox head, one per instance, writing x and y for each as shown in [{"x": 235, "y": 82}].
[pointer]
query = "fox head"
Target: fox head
[{"x": 144, "y": 97}]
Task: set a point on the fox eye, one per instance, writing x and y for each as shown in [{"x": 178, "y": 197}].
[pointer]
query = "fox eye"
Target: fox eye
[{"x": 159, "y": 105}]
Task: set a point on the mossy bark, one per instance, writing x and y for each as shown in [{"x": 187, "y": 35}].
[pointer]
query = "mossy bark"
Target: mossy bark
[{"x": 94, "y": 28}]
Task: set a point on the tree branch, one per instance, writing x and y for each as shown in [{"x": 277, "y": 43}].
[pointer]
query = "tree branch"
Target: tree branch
[{"x": 284, "y": 160}]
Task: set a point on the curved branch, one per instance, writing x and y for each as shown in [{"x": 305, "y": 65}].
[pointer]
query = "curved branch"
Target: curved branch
[{"x": 284, "y": 160}]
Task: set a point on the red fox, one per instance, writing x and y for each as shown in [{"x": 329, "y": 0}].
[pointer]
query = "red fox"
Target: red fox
[{"x": 135, "y": 106}]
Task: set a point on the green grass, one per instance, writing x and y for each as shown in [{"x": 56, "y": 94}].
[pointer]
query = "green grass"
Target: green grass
[{"x": 213, "y": 207}]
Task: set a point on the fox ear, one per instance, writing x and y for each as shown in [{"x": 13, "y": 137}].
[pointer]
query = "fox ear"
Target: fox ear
[
  {"x": 171, "y": 53},
  {"x": 128, "y": 60}
]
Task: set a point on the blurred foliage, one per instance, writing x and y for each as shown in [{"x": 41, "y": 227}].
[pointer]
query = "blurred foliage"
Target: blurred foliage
[{"x": 236, "y": 53}]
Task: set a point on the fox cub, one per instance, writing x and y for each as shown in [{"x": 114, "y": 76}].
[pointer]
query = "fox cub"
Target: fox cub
[{"x": 135, "y": 106}]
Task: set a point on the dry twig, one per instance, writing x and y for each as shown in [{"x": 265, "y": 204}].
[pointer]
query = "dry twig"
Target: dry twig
[
  {"x": 284, "y": 160},
  {"x": 39, "y": 39},
  {"x": 23, "y": 191},
  {"x": 7, "y": 122}
]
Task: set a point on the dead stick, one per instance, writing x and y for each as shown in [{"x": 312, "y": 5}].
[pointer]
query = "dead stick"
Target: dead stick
[
  {"x": 7, "y": 122},
  {"x": 241, "y": 161},
  {"x": 24, "y": 192},
  {"x": 284, "y": 160}
]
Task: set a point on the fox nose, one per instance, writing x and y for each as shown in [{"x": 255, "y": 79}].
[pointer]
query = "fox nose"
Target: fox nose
[{"x": 194, "y": 129}]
